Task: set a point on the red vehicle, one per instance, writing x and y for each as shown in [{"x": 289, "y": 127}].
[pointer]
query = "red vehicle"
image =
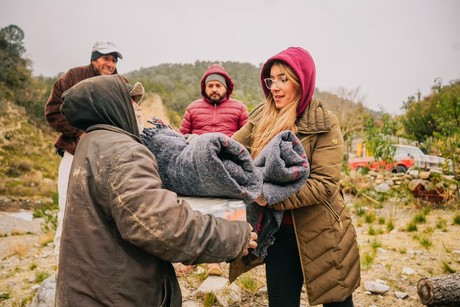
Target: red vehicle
[
  {"x": 405, "y": 157},
  {"x": 370, "y": 163}
]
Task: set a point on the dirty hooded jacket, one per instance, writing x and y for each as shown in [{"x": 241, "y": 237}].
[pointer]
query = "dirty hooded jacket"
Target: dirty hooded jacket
[
  {"x": 203, "y": 115},
  {"x": 324, "y": 231},
  {"x": 121, "y": 229}
]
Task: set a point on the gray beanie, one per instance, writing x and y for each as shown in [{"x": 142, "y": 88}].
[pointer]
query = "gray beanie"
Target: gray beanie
[{"x": 216, "y": 77}]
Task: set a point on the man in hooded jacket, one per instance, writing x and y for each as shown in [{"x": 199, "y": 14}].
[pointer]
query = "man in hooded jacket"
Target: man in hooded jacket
[
  {"x": 122, "y": 231},
  {"x": 216, "y": 111}
]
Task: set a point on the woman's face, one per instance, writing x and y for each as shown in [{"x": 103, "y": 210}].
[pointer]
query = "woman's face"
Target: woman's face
[{"x": 282, "y": 89}]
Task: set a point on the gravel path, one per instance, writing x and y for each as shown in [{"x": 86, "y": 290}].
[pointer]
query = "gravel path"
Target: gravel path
[
  {"x": 18, "y": 222},
  {"x": 397, "y": 258},
  {"x": 14, "y": 226}
]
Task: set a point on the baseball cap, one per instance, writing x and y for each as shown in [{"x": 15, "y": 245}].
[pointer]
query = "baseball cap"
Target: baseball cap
[{"x": 105, "y": 47}]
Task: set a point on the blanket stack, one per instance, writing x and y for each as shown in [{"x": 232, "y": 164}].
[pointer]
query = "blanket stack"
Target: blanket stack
[{"x": 213, "y": 165}]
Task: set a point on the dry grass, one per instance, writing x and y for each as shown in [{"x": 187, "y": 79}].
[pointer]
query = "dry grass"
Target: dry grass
[
  {"x": 19, "y": 248},
  {"x": 29, "y": 184},
  {"x": 46, "y": 238},
  {"x": 249, "y": 283},
  {"x": 430, "y": 250}
]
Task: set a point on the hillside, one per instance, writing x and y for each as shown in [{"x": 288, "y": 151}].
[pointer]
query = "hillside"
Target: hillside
[
  {"x": 152, "y": 105},
  {"x": 28, "y": 164},
  {"x": 179, "y": 84}
]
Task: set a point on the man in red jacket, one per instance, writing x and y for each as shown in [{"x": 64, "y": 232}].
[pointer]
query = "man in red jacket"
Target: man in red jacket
[
  {"x": 216, "y": 111},
  {"x": 104, "y": 58}
]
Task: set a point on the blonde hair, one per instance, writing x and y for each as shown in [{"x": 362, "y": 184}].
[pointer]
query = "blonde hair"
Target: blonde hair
[{"x": 274, "y": 120}]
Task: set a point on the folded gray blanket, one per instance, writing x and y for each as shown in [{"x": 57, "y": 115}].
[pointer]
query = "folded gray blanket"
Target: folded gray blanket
[
  {"x": 284, "y": 166},
  {"x": 213, "y": 165}
]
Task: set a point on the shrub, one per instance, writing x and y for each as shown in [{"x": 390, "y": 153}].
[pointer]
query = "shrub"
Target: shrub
[
  {"x": 367, "y": 260},
  {"x": 49, "y": 212},
  {"x": 457, "y": 220}
]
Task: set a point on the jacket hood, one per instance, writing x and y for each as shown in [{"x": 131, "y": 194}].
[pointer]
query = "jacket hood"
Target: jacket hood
[
  {"x": 303, "y": 66},
  {"x": 100, "y": 100},
  {"x": 216, "y": 69}
]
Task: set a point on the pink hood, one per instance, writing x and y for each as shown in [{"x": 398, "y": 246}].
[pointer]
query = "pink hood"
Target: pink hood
[{"x": 303, "y": 66}]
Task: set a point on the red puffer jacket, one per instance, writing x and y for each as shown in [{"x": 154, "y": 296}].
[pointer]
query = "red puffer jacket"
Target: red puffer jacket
[{"x": 203, "y": 116}]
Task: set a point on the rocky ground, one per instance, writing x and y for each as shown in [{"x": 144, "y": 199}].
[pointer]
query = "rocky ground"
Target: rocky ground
[{"x": 397, "y": 258}]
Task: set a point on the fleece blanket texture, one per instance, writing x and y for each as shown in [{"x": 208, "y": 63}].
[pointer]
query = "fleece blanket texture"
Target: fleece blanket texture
[
  {"x": 284, "y": 167},
  {"x": 212, "y": 165}
]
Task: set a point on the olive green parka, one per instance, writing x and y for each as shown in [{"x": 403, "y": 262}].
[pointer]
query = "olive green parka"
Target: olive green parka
[{"x": 325, "y": 234}]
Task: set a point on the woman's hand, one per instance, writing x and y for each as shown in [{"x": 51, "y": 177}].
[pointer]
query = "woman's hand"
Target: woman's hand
[{"x": 261, "y": 201}]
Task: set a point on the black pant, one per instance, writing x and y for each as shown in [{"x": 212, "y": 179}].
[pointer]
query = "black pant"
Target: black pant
[
  {"x": 284, "y": 272},
  {"x": 346, "y": 303}
]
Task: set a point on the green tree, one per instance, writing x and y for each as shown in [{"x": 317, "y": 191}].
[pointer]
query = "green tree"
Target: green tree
[
  {"x": 14, "y": 74},
  {"x": 11, "y": 39},
  {"x": 447, "y": 117},
  {"x": 435, "y": 121},
  {"x": 16, "y": 82},
  {"x": 418, "y": 121},
  {"x": 378, "y": 134}
]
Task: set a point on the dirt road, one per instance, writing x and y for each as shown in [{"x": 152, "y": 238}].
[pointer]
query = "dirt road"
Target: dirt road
[{"x": 398, "y": 258}]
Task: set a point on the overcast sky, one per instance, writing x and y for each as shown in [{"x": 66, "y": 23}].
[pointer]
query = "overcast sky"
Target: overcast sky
[{"x": 389, "y": 49}]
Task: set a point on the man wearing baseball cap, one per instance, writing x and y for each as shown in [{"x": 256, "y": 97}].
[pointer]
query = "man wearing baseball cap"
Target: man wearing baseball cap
[{"x": 103, "y": 61}]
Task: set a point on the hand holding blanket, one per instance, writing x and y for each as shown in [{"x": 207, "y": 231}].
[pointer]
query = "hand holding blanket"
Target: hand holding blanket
[
  {"x": 285, "y": 169},
  {"x": 284, "y": 166}
]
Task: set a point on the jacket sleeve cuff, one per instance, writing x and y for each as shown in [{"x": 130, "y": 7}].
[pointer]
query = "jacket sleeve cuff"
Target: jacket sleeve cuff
[{"x": 260, "y": 200}]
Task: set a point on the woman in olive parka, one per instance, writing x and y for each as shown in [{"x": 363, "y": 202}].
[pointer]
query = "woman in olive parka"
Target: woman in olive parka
[{"x": 316, "y": 242}]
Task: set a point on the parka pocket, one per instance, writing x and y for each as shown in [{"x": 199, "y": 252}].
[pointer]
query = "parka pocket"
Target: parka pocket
[
  {"x": 317, "y": 235},
  {"x": 334, "y": 213}
]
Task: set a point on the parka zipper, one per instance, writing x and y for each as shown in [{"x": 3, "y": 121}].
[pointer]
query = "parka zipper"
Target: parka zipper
[
  {"x": 214, "y": 115},
  {"x": 334, "y": 213}
]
